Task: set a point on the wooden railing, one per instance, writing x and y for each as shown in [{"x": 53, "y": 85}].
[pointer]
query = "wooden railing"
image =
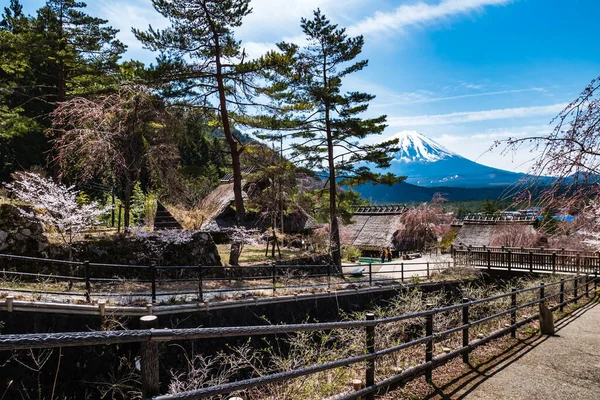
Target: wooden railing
[
  {"x": 89, "y": 281},
  {"x": 149, "y": 338},
  {"x": 530, "y": 261},
  {"x": 540, "y": 250}
]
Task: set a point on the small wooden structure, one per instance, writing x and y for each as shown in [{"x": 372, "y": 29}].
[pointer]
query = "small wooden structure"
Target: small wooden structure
[{"x": 164, "y": 219}]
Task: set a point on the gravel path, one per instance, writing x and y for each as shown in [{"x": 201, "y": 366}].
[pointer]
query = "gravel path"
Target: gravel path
[{"x": 562, "y": 367}]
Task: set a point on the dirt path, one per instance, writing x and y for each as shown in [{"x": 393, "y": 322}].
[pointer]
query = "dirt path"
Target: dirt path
[{"x": 562, "y": 367}]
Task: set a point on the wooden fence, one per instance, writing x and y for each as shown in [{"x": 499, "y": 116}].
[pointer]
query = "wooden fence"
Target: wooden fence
[
  {"x": 540, "y": 250},
  {"x": 88, "y": 281},
  {"x": 522, "y": 301},
  {"x": 531, "y": 261}
]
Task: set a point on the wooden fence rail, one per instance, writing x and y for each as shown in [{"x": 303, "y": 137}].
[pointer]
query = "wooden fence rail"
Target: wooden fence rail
[
  {"x": 200, "y": 282},
  {"x": 528, "y": 261},
  {"x": 150, "y": 337}
]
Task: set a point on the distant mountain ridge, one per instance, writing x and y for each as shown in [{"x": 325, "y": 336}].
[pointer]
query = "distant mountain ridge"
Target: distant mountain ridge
[{"x": 427, "y": 163}]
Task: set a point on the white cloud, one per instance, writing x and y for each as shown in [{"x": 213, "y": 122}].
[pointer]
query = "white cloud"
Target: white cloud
[
  {"x": 419, "y": 13},
  {"x": 124, "y": 15},
  {"x": 425, "y": 97},
  {"x": 476, "y": 116}
]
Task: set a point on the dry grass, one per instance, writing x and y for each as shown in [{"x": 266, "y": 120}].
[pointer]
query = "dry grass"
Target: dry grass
[
  {"x": 255, "y": 254},
  {"x": 305, "y": 349}
]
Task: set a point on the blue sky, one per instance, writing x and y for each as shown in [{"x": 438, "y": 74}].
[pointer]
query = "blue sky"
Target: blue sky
[{"x": 463, "y": 72}]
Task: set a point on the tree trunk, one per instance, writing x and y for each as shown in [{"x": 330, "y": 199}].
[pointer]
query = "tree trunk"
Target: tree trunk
[
  {"x": 334, "y": 234},
  {"x": 126, "y": 205}
]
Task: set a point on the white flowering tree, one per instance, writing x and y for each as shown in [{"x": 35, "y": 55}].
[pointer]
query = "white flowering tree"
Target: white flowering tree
[{"x": 55, "y": 204}]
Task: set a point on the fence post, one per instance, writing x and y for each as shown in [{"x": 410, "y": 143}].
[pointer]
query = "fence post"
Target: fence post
[
  {"x": 329, "y": 275},
  {"x": 542, "y": 292},
  {"x": 596, "y": 279},
  {"x": 370, "y": 274},
  {"x": 575, "y": 289},
  {"x": 489, "y": 259},
  {"x": 587, "y": 286},
  {"x": 553, "y": 263},
  {"x": 149, "y": 360},
  {"x": 508, "y": 259},
  {"x": 275, "y": 279},
  {"x": 562, "y": 294},
  {"x": 200, "y": 284},
  {"x": 370, "y": 372},
  {"x": 429, "y": 344},
  {"x": 513, "y": 313},
  {"x": 153, "y": 278},
  {"x": 402, "y": 271},
  {"x": 88, "y": 285},
  {"x": 465, "y": 331},
  {"x": 427, "y": 269},
  {"x": 531, "y": 261}
]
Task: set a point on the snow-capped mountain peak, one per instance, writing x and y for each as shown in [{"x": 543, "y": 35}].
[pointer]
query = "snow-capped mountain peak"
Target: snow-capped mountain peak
[{"x": 416, "y": 147}]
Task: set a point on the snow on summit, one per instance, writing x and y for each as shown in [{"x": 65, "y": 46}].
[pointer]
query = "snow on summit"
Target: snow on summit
[{"x": 416, "y": 147}]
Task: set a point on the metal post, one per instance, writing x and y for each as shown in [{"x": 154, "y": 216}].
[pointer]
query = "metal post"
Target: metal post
[
  {"x": 329, "y": 275},
  {"x": 149, "y": 360},
  {"x": 575, "y": 289},
  {"x": 587, "y": 286},
  {"x": 561, "y": 298},
  {"x": 200, "y": 284},
  {"x": 153, "y": 278},
  {"x": 429, "y": 344},
  {"x": 370, "y": 274},
  {"x": 596, "y": 279},
  {"x": 465, "y": 331},
  {"x": 508, "y": 259},
  {"x": 370, "y": 372},
  {"x": 553, "y": 263},
  {"x": 88, "y": 285},
  {"x": 274, "y": 278},
  {"x": 427, "y": 269},
  {"x": 402, "y": 271},
  {"x": 489, "y": 259},
  {"x": 513, "y": 313}
]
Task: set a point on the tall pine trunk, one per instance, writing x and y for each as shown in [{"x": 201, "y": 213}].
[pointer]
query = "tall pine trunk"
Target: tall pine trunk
[{"x": 240, "y": 212}]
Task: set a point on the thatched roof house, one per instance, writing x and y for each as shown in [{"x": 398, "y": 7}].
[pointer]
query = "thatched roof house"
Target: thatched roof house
[
  {"x": 219, "y": 214},
  {"x": 374, "y": 227},
  {"x": 481, "y": 233}
]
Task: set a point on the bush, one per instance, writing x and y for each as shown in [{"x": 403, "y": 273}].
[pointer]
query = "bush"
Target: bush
[{"x": 350, "y": 253}]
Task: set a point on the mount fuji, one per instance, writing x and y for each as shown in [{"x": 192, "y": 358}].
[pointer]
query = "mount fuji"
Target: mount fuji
[{"x": 427, "y": 163}]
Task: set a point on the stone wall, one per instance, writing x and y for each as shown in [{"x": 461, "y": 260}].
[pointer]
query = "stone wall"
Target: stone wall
[
  {"x": 24, "y": 236},
  {"x": 21, "y": 235}
]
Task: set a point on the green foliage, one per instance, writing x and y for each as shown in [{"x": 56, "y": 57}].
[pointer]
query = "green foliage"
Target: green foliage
[
  {"x": 318, "y": 202},
  {"x": 138, "y": 204},
  {"x": 350, "y": 253},
  {"x": 83, "y": 198},
  {"x": 489, "y": 207},
  {"x": 44, "y": 59}
]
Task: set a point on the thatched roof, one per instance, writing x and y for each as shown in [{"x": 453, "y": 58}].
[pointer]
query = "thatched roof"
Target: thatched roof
[
  {"x": 372, "y": 232},
  {"x": 219, "y": 214},
  {"x": 480, "y": 234},
  {"x": 216, "y": 208}
]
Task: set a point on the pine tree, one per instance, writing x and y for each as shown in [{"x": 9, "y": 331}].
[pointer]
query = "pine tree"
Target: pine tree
[
  {"x": 81, "y": 48},
  {"x": 329, "y": 127}
]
